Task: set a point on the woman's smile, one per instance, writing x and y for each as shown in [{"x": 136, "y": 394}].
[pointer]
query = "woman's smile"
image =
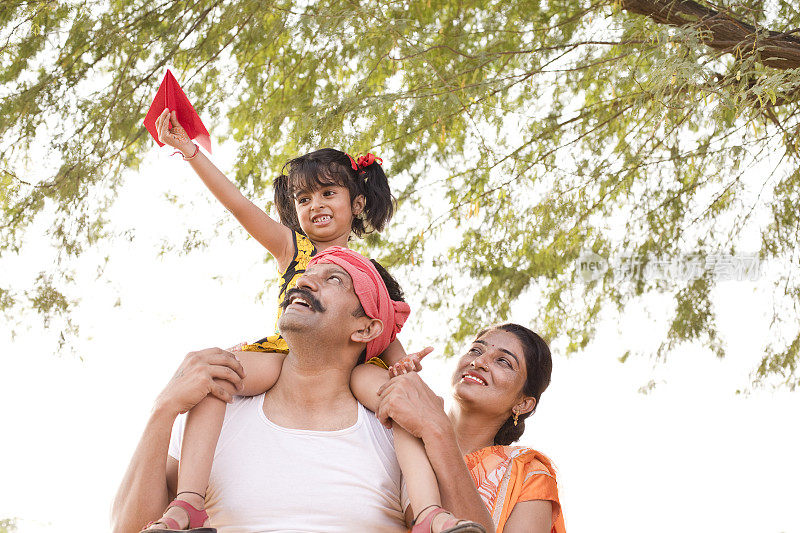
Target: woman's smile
[{"x": 474, "y": 377}]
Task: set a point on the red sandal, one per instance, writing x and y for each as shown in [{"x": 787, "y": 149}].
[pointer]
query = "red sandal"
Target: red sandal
[
  {"x": 451, "y": 525},
  {"x": 197, "y": 517}
]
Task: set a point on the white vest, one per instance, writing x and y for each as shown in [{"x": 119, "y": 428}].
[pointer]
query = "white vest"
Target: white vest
[{"x": 270, "y": 478}]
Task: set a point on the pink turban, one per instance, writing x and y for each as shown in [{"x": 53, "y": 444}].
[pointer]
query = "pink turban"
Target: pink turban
[{"x": 371, "y": 292}]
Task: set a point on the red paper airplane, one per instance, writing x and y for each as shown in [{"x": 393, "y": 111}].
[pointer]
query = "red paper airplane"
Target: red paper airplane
[{"x": 170, "y": 96}]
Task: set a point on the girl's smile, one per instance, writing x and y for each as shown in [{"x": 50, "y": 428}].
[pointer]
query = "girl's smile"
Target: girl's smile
[
  {"x": 321, "y": 220},
  {"x": 326, "y": 213}
]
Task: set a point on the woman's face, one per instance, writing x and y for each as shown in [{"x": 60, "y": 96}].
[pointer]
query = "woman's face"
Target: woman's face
[{"x": 492, "y": 373}]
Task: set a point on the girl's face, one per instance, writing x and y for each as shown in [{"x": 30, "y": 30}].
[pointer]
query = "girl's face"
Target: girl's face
[
  {"x": 326, "y": 213},
  {"x": 491, "y": 375}
]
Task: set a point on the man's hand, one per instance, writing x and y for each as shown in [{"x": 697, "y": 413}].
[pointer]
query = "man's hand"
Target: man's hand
[
  {"x": 212, "y": 371},
  {"x": 408, "y": 401}
]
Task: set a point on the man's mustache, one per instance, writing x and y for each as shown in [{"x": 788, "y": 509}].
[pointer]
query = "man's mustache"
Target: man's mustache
[{"x": 316, "y": 305}]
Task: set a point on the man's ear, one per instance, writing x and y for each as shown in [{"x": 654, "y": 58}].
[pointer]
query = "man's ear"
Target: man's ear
[
  {"x": 358, "y": 204},
  {"x": 525, "y": 405},
  {"x": 370, "y": 328}
]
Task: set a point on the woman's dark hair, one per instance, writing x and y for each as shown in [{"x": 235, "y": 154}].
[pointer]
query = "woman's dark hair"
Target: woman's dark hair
[
  {"x": 539, "y": 365},
  {"x": 328, "y": 166}
]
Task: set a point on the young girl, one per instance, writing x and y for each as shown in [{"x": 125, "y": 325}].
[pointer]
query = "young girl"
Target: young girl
[{"x": 323, "y": 198}]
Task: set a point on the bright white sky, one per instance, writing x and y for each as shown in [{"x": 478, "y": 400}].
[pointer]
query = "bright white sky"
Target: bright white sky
[{"x": 689, "y": 456}]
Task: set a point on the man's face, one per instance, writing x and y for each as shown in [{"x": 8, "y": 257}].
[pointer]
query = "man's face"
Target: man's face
[{"x": 324, "y": 301}]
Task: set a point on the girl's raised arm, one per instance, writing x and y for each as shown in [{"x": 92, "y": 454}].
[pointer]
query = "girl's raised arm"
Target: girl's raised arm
[{"x": 274, "y": 236}]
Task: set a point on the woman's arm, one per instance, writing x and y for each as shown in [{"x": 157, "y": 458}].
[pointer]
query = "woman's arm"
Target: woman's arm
[
  {"x": 535, "y": 516},
  {"x": 459, "y": 494},
  {"x": 408, "y": 401},
  {"x": 274, "y": 236},
  {"x": 144, "y": 491}
]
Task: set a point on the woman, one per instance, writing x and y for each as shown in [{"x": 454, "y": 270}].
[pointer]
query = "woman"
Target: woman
[{"x": 497, "y": 384}]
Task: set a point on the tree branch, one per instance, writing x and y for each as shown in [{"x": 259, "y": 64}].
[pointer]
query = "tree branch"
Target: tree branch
[{"x": 779, "y": 50}]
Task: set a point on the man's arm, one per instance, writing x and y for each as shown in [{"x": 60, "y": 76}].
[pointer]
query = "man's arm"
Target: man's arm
[
  {"x": 143, "y": 494},
  {"x": 152, "y": 476},
  {"x": 408, "y": 401}
]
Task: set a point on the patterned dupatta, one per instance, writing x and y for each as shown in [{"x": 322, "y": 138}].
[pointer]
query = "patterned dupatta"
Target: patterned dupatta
[{"x": 505, "y": 475}]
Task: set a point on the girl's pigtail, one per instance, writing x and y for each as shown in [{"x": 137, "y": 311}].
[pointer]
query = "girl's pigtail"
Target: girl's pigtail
[
  {"x": 284, "y": 203},
  {"x": 379, "y": 200}
]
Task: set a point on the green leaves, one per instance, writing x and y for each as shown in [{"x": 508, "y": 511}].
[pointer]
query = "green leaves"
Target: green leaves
[{"x": 517, "y": 136}]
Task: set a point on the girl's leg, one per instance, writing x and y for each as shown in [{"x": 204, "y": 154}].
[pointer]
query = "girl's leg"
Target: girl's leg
[
  {"x": 423, "y": 488},
  {"x": 203, "y": 426}
]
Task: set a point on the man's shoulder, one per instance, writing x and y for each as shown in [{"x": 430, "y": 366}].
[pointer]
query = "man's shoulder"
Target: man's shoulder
[
  {"x": 240, "y": 403},
  {"x": 379, "y": 432},
  {"x": 243, "y": 407},
  {"x": 370, "y": 418},
  {"x": 239, "y": 406}
]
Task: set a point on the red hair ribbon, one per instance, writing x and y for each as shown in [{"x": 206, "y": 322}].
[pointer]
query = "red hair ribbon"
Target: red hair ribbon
[
  {"x": 366, "y": 160},
  {"x": 352, "y": 162}
]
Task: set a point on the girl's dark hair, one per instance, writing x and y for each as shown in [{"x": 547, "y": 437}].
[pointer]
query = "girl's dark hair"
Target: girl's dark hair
[
  {"x": 392, "y": 286},
  {"x": 328, "y": 166},
  {"x": 539, "y": 365}
]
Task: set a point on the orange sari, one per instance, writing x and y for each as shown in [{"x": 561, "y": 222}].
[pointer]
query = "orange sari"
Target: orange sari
[{"x": 505, "y": 475}]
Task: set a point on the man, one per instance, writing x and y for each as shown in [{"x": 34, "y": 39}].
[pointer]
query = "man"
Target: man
[{"x": 305, "y": 456}]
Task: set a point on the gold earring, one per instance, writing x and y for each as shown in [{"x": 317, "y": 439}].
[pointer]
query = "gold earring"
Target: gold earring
[{"x": 516, "y": 417}]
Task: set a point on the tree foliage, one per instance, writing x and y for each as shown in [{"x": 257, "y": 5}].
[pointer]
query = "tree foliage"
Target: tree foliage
[{"x": 647, "y": 130}]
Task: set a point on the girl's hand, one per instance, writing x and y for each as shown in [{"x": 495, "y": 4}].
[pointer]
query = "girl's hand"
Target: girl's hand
[
  {"x": 171, "y": 133},
  {"x": 410, "y": 363}
]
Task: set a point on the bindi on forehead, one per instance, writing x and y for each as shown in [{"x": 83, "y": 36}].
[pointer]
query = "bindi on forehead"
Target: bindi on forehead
[{"x": 490, "y": 345}]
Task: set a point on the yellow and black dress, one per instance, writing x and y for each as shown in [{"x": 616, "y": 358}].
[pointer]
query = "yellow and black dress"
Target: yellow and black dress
[{"x": 304, "y": 250}]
